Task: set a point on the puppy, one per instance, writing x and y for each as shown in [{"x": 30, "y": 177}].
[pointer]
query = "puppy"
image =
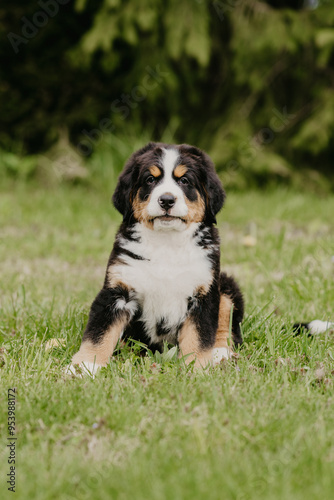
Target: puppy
[{"x": 163, "y": 280}]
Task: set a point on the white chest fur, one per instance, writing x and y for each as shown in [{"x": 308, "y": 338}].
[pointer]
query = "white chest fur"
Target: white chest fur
[{"x": 174, "y": 267}]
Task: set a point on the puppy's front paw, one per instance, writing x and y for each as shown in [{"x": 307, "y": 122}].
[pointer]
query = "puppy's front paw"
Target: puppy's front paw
[
  {"x": 220, "y": 353},
  {"x": 85, "y": 368}
]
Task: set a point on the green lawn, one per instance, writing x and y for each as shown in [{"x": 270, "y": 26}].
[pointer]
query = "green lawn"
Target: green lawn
[{"x": 258, "y": 427}]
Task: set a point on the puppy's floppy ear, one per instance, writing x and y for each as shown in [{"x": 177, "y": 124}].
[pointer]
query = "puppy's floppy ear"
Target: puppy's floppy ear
[
  {"x": 121, "y": 196},
  {"x": 212, "y": 186},
  {"x": 126, "y": 182}
]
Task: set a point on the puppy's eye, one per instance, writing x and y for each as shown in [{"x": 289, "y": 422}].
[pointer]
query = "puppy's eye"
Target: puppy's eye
[
  {"x": 150, "y": 179},
  {"x": 184, "y": 181}
]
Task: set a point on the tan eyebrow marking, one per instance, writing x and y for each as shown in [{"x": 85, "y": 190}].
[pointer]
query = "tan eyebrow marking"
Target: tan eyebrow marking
[
  {"x": 155, "y": 171},
  {"x": 180, "y": 170}
]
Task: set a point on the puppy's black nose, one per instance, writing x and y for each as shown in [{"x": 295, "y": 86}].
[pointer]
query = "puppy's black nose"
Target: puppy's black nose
[{"x": 166, "y": 201}]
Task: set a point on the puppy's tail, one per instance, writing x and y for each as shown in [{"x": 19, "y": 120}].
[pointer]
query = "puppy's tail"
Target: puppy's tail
[{"x": 313, "y": 328}]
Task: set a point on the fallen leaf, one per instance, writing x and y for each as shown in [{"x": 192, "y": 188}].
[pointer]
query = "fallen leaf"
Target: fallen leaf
[
  {"x": 51, "y": 343},
  {"x": 249, "y": 241},
  {"x": 320, "y": 373}
]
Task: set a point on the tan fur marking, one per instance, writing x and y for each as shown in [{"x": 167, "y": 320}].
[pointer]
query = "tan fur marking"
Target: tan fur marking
[
  {"x": 155, "y": 171},
  {"x": 202, "y": 290},
  {"x": 190, "y": 345},
  {"x": 140, "y": 211},
  {"x": 222, "y": 335},
  {"x": 180, "y": 170},
  {"x": 113, "y": 280},
  {"x": 196, "y": 209},
  {"x": 101, "y": 352}
]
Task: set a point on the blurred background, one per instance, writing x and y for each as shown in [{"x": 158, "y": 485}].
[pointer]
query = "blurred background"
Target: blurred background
[{"x": 84, "y": 83}]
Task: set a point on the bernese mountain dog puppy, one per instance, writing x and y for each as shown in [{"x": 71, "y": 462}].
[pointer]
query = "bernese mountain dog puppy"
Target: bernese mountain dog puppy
[{"x": 163, "y": 281}]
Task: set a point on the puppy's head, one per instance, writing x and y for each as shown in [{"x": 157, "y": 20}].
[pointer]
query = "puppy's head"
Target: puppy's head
[{"x": 167, "y": 187}]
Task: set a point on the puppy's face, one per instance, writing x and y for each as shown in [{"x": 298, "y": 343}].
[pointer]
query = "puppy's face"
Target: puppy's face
[
  {"x": 169, "y": 196},
  {"x": 168, "y": 187}
]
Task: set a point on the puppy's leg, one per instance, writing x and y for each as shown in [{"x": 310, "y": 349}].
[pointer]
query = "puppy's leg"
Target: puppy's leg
[
  {"x": 231, "y": 297},
  {"x": 111, "y": 312},
  {"x": 222, "y": 349},
  {"x": 190, "y": 345},
  {"x": 230, "y": 288}
]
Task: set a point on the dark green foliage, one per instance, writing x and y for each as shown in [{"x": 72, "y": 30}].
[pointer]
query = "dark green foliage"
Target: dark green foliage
[{"x": 249, "y": 81}]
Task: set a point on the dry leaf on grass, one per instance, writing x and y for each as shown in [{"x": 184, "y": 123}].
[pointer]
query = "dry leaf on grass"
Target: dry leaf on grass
[
  {"x": 249, "y": 241},
  {"x": 51, "y": 343},
  {"x": 320, "y": 373}
]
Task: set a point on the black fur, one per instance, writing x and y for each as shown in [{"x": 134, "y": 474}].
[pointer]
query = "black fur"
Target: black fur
[
  {"x": 103, "y": 312},
  {"x": 136, "y": 331},
  {"x": 128, "y": 180},
  {"x": 298, "y": 328}
]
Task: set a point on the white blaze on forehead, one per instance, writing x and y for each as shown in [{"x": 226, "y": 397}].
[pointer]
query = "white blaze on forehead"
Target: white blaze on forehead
[
  {"x": 169, "y": 161},
  {"x": 168, "y": 185}
]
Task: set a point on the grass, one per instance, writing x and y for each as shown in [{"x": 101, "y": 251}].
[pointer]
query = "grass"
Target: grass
[{"x": 258, "y": 427}]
